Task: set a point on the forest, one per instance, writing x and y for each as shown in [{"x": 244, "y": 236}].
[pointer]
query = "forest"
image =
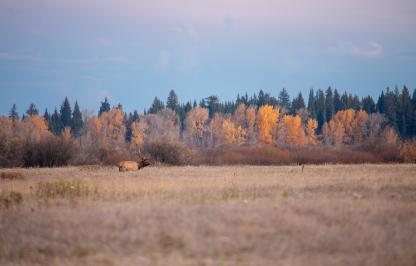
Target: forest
[{"x": 261, "y": 129}]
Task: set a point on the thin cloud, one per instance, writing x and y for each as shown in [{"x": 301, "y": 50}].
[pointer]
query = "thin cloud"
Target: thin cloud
[
  {"x": 163, "y": 61},
  {"x": 369, "y": 50},
  {"x": 10, "y": 56}
]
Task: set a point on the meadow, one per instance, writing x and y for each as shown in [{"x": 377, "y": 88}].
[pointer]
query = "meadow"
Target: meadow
[{"x": 359, "y": 214}]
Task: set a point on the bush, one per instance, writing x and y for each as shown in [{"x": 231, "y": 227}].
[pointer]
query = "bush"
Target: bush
[
  {"x": 49, "y": 152},
  {"x": 408, "y": 151},
  {"x": 168, "y": 152},
  {"x": 65, "y": 189},
  {"x": 10, "y": 199},
  {"x": 11, "y": 175}
]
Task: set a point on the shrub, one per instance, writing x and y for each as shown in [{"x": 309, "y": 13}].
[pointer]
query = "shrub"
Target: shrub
[
  {"x": 10, "y": 199},
  {"x": 168, "y": 152},
  {"x": 49, "y": 152},
  {"x": 408, "y": 151},
  {"x": 65, "y": 189},
  {"x": 11, "y": 175}
]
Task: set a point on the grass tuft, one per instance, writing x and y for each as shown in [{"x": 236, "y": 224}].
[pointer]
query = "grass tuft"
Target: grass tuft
[{"x": 65, "y": 189}]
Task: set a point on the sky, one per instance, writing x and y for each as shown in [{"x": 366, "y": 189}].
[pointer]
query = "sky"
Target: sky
[{"x": 133, "y": 50}]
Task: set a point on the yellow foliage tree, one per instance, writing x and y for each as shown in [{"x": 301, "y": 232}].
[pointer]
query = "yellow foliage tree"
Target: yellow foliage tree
[
  {"x": 311, "y": 126},
  {"x": 294, "y": 132},
  {"x": 250, "y": 123},
  {"x": 266, "y": 122}
]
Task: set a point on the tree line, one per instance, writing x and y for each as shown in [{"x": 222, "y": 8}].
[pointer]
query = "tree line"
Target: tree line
[{"x": 328, "y": 119}]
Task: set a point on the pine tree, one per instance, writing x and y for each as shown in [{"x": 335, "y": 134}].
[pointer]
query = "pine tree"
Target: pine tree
[
  {"x": 380, "y": 103},
  {"x": 284, "y": 99},
  {"x": 337, "y": 101},
  {"x": 13, "y": 114},
  {"x": 135, "y": 116},
  {"x": 345, "y": 103},
  {"x": 66, "y": 113},
  {"x": 157, "y": 106},
  {"x": 356, "y": 103},
  {"x": 47, "y": 116},
  {"x": 55, "y": 125},
  {"x": 32, "y": 110},
  {"x": 414, "y": 113},
  {"x": 297, "y": 104},
  {"x": 213, "y": 105},
  {"x": 320, "y": 108},
  {"x": 405, "y": 113},
  {"x": 105, "y": 107},
  {"x": 312, "y": 105},
  {"x": 77, "y": 122},
  {"x": 368, "y": 104},
  {"x": 172, "y": 101},
  {"x": 329, "y": 105}
]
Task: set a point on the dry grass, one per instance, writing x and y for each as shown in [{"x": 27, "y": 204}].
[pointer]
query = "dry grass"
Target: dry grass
[{"x": 240, "y": 215}]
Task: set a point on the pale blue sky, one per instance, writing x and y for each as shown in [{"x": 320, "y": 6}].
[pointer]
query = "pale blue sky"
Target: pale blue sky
[{"x": 134, "y": 50}]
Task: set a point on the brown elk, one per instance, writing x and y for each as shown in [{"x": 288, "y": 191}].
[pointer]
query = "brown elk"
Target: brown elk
[{"x": 132, "y": 165}]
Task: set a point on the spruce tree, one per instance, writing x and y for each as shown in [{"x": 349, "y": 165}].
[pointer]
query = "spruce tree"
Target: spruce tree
[
  {"x": 172, "y": 101},
  {"x": 32, "y": 110},
  {"x": 105, "y": 107},
  {"x": 55, "y": 125},
  {"x": 77, "y": 122},
  {"x": 380, "y": 103},
  {"x": 312, "y": 105},
  {"x": 320, "y": 109},
  {"x": 65, "y": 113},
  {"x": 297, "y": 104},
  {"x": 368, "y": 104},
  {"x": 157, "y": 105},
  {"x": 47, "y": 116},
  {"x": 329, "y": 104},
  {"x": 284, "y": 99},
  {"x": 405, "y": 113},
  {"x": 337, "y": 102},
  {"x": 13, "y": 114}
]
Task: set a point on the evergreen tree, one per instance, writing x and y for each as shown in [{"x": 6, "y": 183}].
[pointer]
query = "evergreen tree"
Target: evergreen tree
[
  {"x": 320, "y": 109},
  {"x": 312, "y": 105},
  {"x": 390, "y": 108},
  {"x": 13, "y": 114},
  {"x": 345, "y": 103},
  {"x": 414, "y": 113},
  {"x": 337, "y": 102},
  {"x": 356, "y": 103},
  {"x": 119, "y": 107},
  {"x": 55, "y": 125},
  {"x": 47, "y": 116},
  {"x": 297, "y": 104},
  {"x": 77, "y": 122},
  {"x": 261, "y": 99},
  {"x": 105, "y": 107},
  {"x": 405, "y": 113},
  {"x": 284, "y": 99},
  {"x": 380, "y": 103},
  {"x": 32, "y": 110},
  {"x": 135, "y": 116},
  {"x": 66, "y": 113},
  {"x": 157, "y": 105},
  {"x": 368, "y": 104},
  {"x": 172, "y": 101},
  {"x": 213, "y": 105},
  {"x": 329, "y": 104}
]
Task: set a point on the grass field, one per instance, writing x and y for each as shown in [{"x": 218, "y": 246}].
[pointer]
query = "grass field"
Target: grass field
[{"x": 240, "y": 215}]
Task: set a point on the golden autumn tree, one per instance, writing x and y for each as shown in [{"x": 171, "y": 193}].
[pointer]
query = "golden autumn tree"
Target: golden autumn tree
[
  {"x": 216, "y": 129},
  {"x": 311, "y": 126},
  {"x": 195, "y": 124},
  {"x": 113, "y": 131},
  {"x": 294, "y": 132},
  {"x": 250, "y": 120},
  {"x": 360, "y": 130},
  {"x": 267, "y": 117}
]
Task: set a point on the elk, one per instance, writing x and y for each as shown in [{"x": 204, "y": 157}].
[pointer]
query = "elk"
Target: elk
[{"x": 132, "y": 165}]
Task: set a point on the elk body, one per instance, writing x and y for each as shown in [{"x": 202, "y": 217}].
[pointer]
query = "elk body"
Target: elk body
[{"x": 132, "y": 165}]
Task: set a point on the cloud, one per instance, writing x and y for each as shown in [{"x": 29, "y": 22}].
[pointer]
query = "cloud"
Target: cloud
[
  {"x": 369, "y": 50},
  {"x": 10, "y": 56},
  {"x": 163, "y": 61},
  {"x": 188, "y": 31}
]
